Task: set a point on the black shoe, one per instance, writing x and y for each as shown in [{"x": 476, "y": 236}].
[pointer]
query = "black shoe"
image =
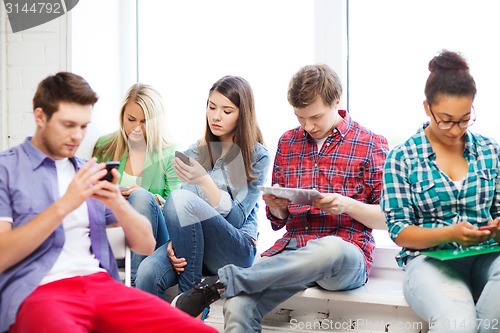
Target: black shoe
[{"x": 195, "y": 300}]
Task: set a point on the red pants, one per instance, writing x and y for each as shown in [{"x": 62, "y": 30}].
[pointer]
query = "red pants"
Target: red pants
[{"x": 96, "y": 303}]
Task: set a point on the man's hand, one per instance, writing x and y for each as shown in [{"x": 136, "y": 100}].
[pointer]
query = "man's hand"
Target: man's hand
[
  {"x": 277, "y": 206},
  {"x": 85, "y": 184},
  {"x": 333, "y": 203}
]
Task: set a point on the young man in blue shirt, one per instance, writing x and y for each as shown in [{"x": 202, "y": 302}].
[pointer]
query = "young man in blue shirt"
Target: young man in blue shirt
[{"x": 57, "y": 271}]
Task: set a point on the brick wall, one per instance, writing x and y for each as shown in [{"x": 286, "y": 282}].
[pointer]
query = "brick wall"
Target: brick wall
[{"x": 27, "y": 57}]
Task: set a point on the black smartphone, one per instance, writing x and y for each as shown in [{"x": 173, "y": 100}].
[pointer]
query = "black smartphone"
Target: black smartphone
[
  {"x": 183, "y": 157},
  {"x": 109, "y": 166}
]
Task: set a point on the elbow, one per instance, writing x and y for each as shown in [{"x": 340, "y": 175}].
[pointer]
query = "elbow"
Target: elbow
[
  {"x": 148, "y": 248},
  {"x": 145, "y": 247},
  {"x": 4, "y": 266},
  {"x": 399, "y": 242},
  {"x": 144, "y": 250},
  {"x": 381, "y": 225}
]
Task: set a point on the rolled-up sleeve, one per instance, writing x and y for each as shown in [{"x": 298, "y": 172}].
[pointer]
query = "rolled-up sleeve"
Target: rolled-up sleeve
[
  {"x": 396, "y": 195},
  {"x": 225, "y": 203}
]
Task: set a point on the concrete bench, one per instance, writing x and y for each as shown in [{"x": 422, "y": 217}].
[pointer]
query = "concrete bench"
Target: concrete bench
[{"x": 378, "y": 306}]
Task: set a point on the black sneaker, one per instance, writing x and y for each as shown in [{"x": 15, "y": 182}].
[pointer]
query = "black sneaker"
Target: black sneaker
[{"x": 194, "y": 301}]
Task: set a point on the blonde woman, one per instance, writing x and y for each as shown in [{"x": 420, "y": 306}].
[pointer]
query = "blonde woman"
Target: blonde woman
[{"x": 145, "y": 155}]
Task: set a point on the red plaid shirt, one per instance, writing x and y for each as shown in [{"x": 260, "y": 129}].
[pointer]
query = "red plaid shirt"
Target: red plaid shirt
[{"x": 350, "y": 162}]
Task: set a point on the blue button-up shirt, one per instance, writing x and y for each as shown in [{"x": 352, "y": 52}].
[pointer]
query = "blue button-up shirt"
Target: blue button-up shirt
[
  {"x": 239, "y": 203},
  {"x": 416, "y": 192},
  {"x": 28, "y": 186}
]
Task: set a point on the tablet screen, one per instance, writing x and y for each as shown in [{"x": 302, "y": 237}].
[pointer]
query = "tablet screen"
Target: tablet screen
[{"x": 295, "y": 195}]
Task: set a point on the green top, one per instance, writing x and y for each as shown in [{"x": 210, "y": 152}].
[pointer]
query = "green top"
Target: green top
[{"x": 157, "y": 178}]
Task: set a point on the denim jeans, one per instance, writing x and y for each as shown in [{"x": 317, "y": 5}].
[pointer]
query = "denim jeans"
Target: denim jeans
[
  {"x": 460, "y": 295},
  {"x": 251, "y": 293},
  {"x": 145, "y": 203},
  {"x": 209, "y": 242}
]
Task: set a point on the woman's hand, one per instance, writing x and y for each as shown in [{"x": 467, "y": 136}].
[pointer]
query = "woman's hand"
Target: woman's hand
[
  {"x": 129, "y": 191},
  {"x": 495, "y": 233},
  {"x": 177, "y": 263},
  {"x": 190, "y": 174},
  {"x": 467, "y": 235}
]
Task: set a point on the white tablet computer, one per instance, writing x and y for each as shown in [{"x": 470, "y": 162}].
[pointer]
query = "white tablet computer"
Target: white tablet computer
[{"x": 295, "y": 195}]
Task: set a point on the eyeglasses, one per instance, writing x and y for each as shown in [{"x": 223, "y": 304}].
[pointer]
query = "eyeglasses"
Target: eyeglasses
[{"x": 463, "y": 124}]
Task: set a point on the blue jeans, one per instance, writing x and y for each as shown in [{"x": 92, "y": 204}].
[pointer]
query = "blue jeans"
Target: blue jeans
[
  {"x": 251, "y": 293},
  {"x": 145, "y": 203},
  {"x": 208, "y": 243},
  {"x": 459, "y": 295}
]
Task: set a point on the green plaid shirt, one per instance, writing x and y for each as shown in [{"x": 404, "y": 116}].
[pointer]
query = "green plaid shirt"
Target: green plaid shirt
[{"x": 416, "y": 192}]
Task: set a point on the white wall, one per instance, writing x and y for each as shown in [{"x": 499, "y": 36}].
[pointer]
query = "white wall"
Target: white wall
[
  {"x": 26, "y": 58},
  {"x": 103, "y": 46},
  {"x": 96, "y": 44}
]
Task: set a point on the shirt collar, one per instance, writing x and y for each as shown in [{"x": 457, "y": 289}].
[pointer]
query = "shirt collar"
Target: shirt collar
[
  {"x": 427, "y": 150},
  {"x": 342, "y": 128},
  {"x": 36, "y": 156}
]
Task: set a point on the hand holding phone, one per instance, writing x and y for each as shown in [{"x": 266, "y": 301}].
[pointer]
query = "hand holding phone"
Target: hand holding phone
[
  {"x": 109, "y": 166},
  {"x": 488, "y": 227},
  {"x": 123, "y": 188},
  {"x": 183, "y": 157}
]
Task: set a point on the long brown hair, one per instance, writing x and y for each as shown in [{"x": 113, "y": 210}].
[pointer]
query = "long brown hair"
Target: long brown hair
[{"x": 247, "y": 132}]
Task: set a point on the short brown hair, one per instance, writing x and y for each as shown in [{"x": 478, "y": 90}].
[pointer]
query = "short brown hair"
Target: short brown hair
[
  {"x": 62, "y": 87},
  {"x": 311, "y": 82}
]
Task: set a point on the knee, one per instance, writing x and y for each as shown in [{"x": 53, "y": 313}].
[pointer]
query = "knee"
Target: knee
[
  {"x": 145, "y": 274},
  {"x": 178, "y": 199},
  {"x": 329, "y": 249},
  {"x": 141, "y": 198},
  {"x": 179, "y": 206}
]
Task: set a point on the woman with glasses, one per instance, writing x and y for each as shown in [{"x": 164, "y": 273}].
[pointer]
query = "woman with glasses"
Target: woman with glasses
[{"x": 440, "y": 189}]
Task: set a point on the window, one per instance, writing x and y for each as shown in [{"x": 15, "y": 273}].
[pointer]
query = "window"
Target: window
[
  {"x": 390, "y": 45},
  {"x": 183, "y": 52}
]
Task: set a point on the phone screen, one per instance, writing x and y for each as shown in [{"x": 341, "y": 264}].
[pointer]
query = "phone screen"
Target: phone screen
[
  {"x": 109, "y": 166},
  {"x": 182, "y": 157}
]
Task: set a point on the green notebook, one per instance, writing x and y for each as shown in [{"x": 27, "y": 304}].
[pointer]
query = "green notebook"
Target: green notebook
[{"x": 460, "y": 253}]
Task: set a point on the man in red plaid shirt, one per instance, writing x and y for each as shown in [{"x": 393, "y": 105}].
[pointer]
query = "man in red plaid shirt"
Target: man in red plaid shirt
[{"x": 328, "y": 243}]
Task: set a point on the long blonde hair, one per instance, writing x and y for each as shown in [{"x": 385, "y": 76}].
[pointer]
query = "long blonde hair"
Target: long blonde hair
[{"x": 151, "y": 102}]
